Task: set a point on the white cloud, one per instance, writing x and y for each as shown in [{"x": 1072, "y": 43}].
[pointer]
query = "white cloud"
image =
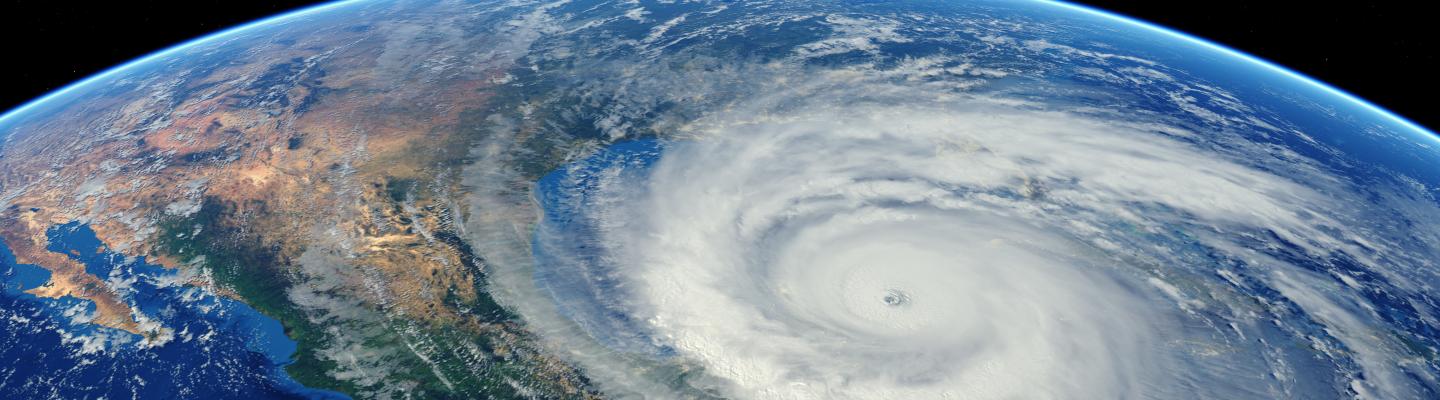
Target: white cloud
[
  {"x": 853, "y": 34},
  {"x": 765, "y": 245}
]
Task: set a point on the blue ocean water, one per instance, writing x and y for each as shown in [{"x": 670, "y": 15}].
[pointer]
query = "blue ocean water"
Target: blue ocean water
[
  {"x": 569, "y": 265},
  {"x": 216, "y": 347}
]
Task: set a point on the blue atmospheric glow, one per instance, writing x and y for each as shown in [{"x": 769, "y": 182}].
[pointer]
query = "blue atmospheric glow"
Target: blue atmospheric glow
[
  {"x": 166, "y": 52},
  {"x": 1076, "y": 7},
  {"x": 1396, "y": 118}
]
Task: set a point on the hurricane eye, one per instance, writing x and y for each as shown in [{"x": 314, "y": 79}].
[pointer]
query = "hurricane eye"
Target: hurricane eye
[{"x": 895, "y": 298}]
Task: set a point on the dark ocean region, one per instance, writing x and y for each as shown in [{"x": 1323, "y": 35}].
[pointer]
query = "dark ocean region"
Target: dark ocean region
[
  {"x": 209, "y": 346},
  {"x": 567, "y": 258}
]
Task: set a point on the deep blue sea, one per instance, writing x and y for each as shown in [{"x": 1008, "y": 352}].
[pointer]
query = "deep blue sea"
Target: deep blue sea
[
  {"x": 567, "y": 258},
  {"x": 217, "y": 347}
]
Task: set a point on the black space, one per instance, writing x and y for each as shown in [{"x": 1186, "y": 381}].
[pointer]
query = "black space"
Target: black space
[
  {"x": 52, "y": 43},
  {"x": 1381, "y": 51}
]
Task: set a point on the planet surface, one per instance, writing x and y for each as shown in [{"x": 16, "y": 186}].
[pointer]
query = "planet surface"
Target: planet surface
[{"x": 714, "y": 200}]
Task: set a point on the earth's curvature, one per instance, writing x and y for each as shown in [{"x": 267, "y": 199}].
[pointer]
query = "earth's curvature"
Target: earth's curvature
[{"x": 714, "y": 199}]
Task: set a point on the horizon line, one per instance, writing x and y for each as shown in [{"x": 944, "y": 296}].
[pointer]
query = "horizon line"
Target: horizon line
[{"x": 1086, "y": 9}]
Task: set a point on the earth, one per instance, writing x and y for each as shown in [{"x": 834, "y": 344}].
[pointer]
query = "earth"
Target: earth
[{"x": 714, "y": 199}]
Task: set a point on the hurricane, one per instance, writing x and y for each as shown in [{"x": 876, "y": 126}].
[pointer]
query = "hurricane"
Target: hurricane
[{"x": 888, "y": 244}]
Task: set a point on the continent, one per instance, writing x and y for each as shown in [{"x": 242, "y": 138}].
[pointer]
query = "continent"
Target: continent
[{"x": 311, "y": 172}]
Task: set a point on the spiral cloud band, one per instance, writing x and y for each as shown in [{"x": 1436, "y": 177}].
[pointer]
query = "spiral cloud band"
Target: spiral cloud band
[
  {"x": 1029, "y": 208},
  {"x": 802, "y": 257},
  {"x": 969, "y": 249}
]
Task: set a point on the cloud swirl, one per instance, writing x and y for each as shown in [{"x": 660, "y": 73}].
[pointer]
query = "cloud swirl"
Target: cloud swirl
[{"x": 967, "y": 248}]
